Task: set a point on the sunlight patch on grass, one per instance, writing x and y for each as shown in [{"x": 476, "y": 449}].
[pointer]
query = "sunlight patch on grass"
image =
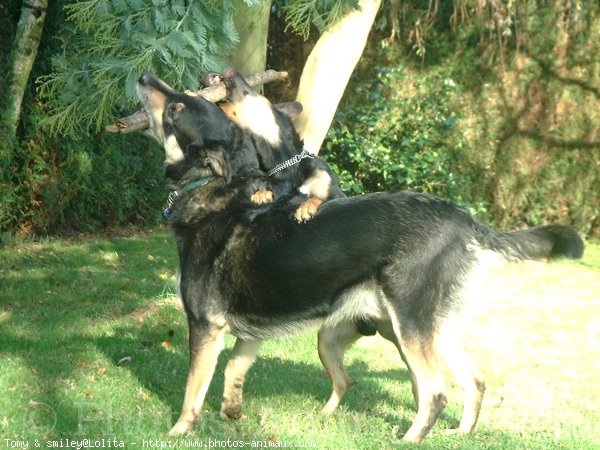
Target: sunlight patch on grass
[{"x": 92, "y": 329}]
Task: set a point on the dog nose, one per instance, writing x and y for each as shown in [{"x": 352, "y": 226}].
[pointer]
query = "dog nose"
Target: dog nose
[{"x": 145, "y": 78}]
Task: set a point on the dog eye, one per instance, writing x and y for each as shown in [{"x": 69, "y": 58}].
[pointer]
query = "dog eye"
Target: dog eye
[
  {"x": 175, "y": 108},
  {"x": 171, "y": 110}
]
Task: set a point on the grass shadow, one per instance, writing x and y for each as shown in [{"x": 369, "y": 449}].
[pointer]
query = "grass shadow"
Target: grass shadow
[
  {"x": 163, "y": 371},
  {"x": 105, "y": 357}
]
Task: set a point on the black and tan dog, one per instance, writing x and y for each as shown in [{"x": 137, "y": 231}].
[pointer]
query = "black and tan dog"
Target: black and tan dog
[
  {"x": 278, "y": 148},
  {"x": 406, "y": 261}
]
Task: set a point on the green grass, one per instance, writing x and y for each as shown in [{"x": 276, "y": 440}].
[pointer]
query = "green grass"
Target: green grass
[{"x": 93, "y": 345}]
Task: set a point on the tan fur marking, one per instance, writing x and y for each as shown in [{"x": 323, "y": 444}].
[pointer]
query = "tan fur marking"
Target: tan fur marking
[
  {"x": 202, "y": 368},
  {"x": 262, "y": 197},
  {"x": 257, "y": 111},
  {"x": 385, "y": 329},
  {"x": 317, "y": 185},
  {"x": 467, "y": 376},
  {"x": 333, "y": 341},
  {"x": 229, "y": 109},
  {"x": 423, "y": 360},
  {"x": 173, "y": 152},
  {"x": 308, "y": 209},
  {"x": 155, "y": 105},
  {"x": 244, "y": 354}
]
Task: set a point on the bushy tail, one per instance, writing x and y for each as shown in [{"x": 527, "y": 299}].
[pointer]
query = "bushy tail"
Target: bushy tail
[{"x": 543, "y": 242}]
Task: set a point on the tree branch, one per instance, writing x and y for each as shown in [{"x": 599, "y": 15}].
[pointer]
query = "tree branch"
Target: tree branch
[{"x": 139, "y": 120}]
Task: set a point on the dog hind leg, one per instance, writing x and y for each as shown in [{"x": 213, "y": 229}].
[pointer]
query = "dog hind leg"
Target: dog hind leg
[
  {"x": 333, "y": 342},
  {"x": 385, "y": 329},
  {"x": 417, "y": 346},
  {"x": 244, "y": 355},
  {"x": 423, "y": 361},
  {"x": 468, "y": 377},
  {"x": 206, "y": 343}
]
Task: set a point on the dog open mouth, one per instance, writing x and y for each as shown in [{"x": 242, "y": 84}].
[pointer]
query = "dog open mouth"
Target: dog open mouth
[{"x": 150, "y": 92}]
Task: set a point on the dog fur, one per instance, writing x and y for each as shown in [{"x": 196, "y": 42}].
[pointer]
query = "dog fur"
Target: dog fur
[
  {"x": 275, "y": 140},
  {"x": 406, "y": 261}
]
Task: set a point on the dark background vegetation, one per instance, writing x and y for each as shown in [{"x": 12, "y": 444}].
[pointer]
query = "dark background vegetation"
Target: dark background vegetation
[{"x": 510, "y": 131}]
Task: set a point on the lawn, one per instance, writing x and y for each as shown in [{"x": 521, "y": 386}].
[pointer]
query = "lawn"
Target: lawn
[{"x": 94, "y": 346}]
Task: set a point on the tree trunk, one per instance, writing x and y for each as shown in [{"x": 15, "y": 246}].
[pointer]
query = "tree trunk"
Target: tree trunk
[
  {"x": 328, "y": 69},
  {"x": 252, "y": 23},
  {"x": 27, "y": 40}
]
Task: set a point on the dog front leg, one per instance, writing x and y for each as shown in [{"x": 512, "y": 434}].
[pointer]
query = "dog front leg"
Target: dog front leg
[
  {"x": 318, "y": 188},
  {"x": 206, "y": 342},
  {"x": 244, "y": 355}
]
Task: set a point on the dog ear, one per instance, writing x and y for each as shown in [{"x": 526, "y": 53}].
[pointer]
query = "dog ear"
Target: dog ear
[
  {"x": 195, "y": 150},
  {"x": 174, "y": 109},
  {"x": 218, "y": 162},
  {"x": 290, "y": 109}
]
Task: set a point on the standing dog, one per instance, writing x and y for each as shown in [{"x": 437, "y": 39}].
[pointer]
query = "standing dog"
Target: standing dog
[{"x": 406, "y": 261}]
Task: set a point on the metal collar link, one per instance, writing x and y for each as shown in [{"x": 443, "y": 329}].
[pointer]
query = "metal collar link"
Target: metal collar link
[{"x": 292, "y": 161}]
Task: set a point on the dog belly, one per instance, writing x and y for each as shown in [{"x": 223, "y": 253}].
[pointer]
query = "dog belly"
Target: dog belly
[{"x": 362, "y": 300}]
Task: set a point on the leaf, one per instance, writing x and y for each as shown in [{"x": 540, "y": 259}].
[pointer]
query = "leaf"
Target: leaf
[
  {"x": 124, "y": 360},
  {"x": 176, "y": 41},
  {"x": 145, "y": 396},
  {"x": 130, "y": 85},
  {"x": 115, "y": 41}
]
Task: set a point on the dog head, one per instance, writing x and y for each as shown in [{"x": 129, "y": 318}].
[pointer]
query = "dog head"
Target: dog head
[
  {"x": 255, "y": 113},
  {"x": 193, "y": 131}
]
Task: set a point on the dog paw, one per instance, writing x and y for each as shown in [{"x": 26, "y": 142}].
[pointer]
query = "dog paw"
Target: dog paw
[
  {"x": 307, "y": 209},
  {"x": 330, "y": 407},
  {"x": 231, "y": 410},
  {"x": 262, "y": 197},
  {"x": 233, "y": 415},
  {"x": 181, "y": 427}
]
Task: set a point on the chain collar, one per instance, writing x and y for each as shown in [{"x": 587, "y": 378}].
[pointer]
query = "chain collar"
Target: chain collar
[{"x": 291, "y": 162}]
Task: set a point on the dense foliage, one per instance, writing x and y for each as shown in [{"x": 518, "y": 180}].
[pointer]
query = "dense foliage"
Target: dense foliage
[
  {"x": 492, "y": 104},
  {"x": 405, "y": 136},
  {"x": 510, "y": 131},
  {"x": 113, "y": 41},
  {"x": 84, "y": 181},
  {"x": 61, "y": 172}
]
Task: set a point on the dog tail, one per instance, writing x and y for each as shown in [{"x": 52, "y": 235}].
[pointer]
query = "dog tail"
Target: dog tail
[{"x": 542, "y": 242}]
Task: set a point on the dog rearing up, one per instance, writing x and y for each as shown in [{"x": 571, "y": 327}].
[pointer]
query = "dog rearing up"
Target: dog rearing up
[{"x": 276, "y": 141}]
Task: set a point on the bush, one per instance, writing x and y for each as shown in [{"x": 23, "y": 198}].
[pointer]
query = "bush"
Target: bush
[
  {"x": 408, "y": 137},
  {"x": 84, "y": 182},
  {"x": 512, "y": 136}
]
